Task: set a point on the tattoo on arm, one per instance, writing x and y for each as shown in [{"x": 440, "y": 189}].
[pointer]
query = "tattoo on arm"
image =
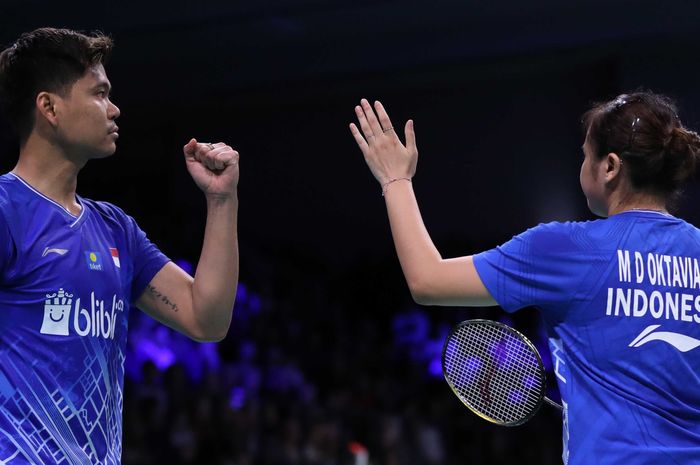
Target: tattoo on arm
[{"x": 163, "y": 298}]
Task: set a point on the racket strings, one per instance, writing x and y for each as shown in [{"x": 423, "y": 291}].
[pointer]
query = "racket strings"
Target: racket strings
[{"x": 494, "y": 372}]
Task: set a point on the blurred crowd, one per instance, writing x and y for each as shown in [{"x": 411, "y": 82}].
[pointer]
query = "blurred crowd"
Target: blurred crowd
[{"x": 316, "y": 374}]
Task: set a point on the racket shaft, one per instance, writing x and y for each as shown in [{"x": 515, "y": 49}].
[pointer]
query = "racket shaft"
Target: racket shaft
[{"x": 552, "y": 403}]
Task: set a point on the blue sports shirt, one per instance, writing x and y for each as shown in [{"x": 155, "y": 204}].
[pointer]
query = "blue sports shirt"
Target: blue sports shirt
[
  {"x": 66, "y": 286},
  {"x": 620, "y": 298}
]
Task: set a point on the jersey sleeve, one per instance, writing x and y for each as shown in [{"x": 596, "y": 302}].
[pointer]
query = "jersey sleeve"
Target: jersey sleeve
[
  {"x": 536, "y": 268},
  {"x": 6, "y": 248},
  {"x": 148, "y": 260}
]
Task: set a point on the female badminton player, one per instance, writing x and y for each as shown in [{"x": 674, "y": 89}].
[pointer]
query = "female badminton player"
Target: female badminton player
[{"x": 620, "y": 296}]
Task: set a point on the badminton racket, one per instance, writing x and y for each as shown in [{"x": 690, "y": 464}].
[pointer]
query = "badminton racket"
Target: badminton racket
[{"x": 495, "y": 371}]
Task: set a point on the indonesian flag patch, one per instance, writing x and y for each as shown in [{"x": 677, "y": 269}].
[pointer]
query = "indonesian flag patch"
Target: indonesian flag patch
[{"x": 115, "y": 256}]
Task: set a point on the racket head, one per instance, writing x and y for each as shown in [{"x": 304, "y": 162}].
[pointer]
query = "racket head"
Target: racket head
[{"x": 495, "y": 371}]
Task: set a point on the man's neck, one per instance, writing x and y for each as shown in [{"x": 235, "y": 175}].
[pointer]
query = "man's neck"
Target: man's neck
[{"x": 48, "y": 170}]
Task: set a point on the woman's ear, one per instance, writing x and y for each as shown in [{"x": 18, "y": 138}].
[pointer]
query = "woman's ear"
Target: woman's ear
[{"x": 612, "y": 167}]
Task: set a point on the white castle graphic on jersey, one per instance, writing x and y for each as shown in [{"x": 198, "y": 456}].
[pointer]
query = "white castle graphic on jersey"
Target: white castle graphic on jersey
[{"x": 96, "y": 322}]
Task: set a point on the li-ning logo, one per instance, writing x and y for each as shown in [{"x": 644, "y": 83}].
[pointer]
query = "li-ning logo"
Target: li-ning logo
[
  {"x": 96, "y": 322},
  {"x": 49, "y": 250},
  {"x": 679, "y": 341}
]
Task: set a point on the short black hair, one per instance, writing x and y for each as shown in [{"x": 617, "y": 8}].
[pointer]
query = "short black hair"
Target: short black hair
[{"x": 45, "y": 59}]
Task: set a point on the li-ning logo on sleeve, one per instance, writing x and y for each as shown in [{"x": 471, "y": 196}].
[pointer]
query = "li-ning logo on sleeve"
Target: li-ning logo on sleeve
[
  {"x": 94, "y": 260},
  {"x": 49, "y": 250},
  {"x": 679, "y": 341},
  {"x": 96, "y": 321}
]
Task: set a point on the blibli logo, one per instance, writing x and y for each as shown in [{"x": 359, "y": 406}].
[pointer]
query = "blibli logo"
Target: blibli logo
[
  {"x": 57, "y": 313},
  {"x": 96, "y": 321}
]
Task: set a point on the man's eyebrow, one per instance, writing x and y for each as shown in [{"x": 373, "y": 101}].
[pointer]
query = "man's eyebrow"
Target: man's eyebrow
[{"x": 102, "y": 84}]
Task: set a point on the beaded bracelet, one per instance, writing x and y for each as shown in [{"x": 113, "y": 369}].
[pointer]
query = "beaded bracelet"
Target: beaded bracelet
[{"x": 384, "y": 186}]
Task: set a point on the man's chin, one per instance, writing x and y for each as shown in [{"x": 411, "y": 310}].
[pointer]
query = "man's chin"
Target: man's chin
[{"x": 106, "y": 152}]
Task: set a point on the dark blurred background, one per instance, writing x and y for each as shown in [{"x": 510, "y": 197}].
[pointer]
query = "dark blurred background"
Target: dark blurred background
[{"x": 327, "y": 355}]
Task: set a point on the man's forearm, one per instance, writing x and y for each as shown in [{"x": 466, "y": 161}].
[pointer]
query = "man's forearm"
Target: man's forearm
[{"x": 216, "y": 278}]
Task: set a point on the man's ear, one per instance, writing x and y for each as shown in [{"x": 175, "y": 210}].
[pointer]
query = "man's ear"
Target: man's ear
[
  {"x": 612, "y": 167},
  {"x": 46, "y": 107}
]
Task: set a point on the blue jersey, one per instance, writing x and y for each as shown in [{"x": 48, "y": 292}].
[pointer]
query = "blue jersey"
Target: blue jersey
[
  {"x": 66, "y": 286},
  {"x": 621, "y": 301}
]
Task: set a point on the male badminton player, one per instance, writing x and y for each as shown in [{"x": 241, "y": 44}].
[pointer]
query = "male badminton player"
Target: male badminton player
[
  {"x": 71, "y": 268},
  {"x": 620, "y": 296}
]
